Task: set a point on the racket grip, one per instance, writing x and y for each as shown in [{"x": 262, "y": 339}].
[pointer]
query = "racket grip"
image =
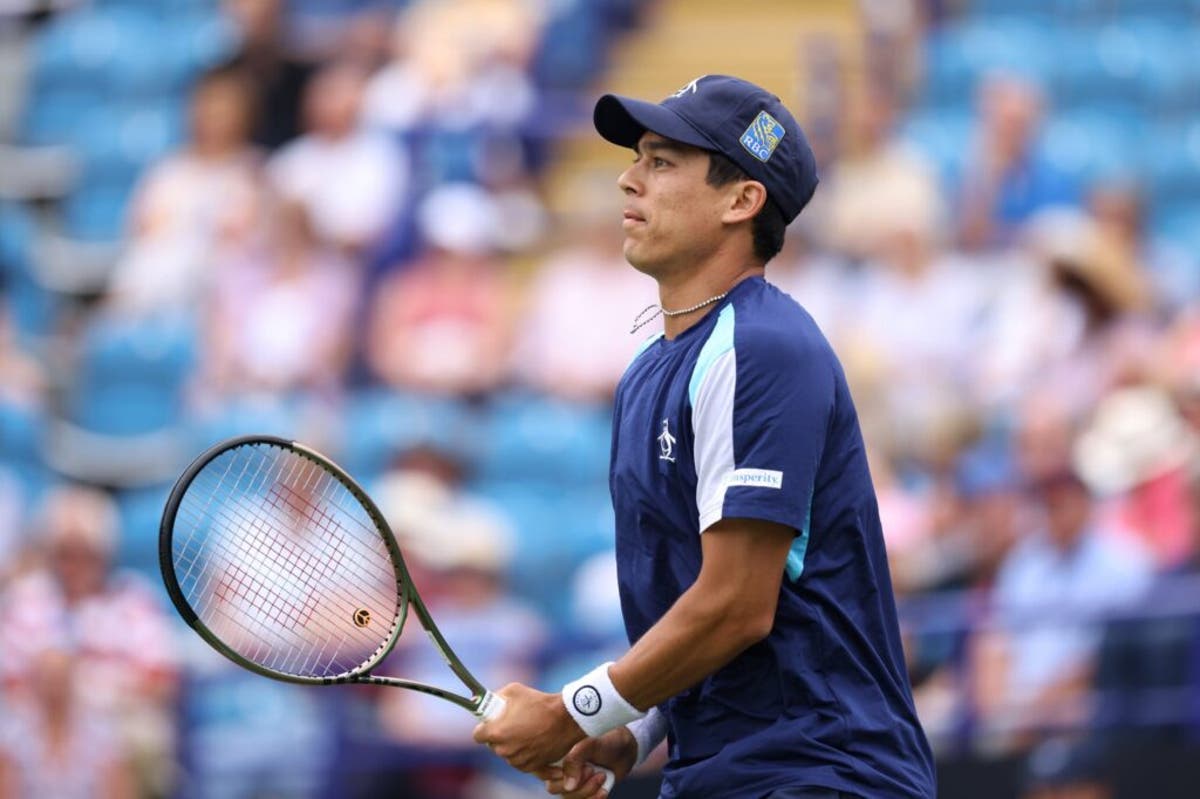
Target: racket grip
[{"x": 492, "y": 706}]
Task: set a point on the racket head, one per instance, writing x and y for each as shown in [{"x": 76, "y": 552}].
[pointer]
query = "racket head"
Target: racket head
[{"x": 278, "y": 559}]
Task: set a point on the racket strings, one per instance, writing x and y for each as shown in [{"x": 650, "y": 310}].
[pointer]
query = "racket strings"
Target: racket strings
[
  {"x": 261, "y": 560},
  {"x": 280, "y": 560}
]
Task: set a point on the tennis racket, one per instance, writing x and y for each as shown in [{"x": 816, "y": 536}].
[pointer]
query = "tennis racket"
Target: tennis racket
[{"x": 278, "y": 559}]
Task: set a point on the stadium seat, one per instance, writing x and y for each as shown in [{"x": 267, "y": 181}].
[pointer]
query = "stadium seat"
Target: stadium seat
[
  {"x": 571, "y": 49},
  {"x": 958, "y": 56},
  {"x": 51, "y": 114},
  {"x": 943, "y": 136},
  {"x": 1093, "y": 143},
  {"x": 381, "y": 424},
  {"x": 96, "y": 211},
  {"x": 17, "y": 231},
  {"x": 1135, "y": 60},
  {"x": 1179, "y": 224},
  {"x": 32, "y": 308},
  {"x": 556, "y": 531},
  {"x": 1172, "y": 161},
  {"x": 537, "y": 438},
  {"x": 140, "y": 512},
  {"x": 21, "y": 430},
  {"x": 118, "y": 142},
  {"x": 130, "y": 376}
]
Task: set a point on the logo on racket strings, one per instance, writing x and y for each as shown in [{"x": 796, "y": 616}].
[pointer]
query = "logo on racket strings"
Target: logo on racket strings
[
  {"x": 587, "y": 700},
  {"x": 362, "y": 617}
]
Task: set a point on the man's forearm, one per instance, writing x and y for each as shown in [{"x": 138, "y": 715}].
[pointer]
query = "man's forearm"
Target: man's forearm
[{"x": 701, "y": 632}]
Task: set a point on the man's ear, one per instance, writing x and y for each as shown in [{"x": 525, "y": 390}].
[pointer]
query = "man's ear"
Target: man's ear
[{"x": 747, "y": 200}]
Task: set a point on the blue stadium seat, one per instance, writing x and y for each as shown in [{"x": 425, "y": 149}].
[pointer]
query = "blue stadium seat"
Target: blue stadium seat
[
  {"x": 130, "y": 49},
  {"x": 556, "y": 530},
  {"x": 116, "y": 143},
  {"x": 31, "y": 306},
  {"x": 20, "y": 429},
  {"x": 958, "y": 56},
  {"x": 1135, "y": 60},
  {"x": 260, "y": 414},
  {"x": 571, "y": 49},
  {"x": 96, "y": 211},
  {"x": 52, "y": 113},
  {"x": 131, "y": 374},
  {"x": 1093, "y": 143},
  {"x": 140, "y": 512},
  {"x": 17, "y": 232},
  {"x": 1172, "y": 161},
  {"x": 1179, "y": 224},
  {"x": 538, "y": 438},
  {"x": 943, "y": 136},
  {"x": 381, "y": 424}
]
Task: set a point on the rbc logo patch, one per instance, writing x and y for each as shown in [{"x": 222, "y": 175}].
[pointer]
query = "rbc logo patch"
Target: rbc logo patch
[{"x": 763, "y": 136}]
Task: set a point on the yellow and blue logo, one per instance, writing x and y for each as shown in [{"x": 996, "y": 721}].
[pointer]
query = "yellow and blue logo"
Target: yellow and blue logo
[{"x": 763, "y": 136}]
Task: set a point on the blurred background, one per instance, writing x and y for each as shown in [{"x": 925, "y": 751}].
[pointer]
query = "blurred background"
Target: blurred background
[{"x": 386, "y": 228}]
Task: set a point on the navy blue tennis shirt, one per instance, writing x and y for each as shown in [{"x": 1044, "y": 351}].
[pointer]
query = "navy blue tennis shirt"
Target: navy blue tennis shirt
[{"x": 747, "y": 414}]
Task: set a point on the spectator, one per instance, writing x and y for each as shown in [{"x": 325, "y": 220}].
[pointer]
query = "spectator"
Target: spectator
[
  {"x": 920, "y": 366},
  {"x": 1005, "y": 180},
  {"x": 111, "y": 622},
  {"x": 582, "y": 356},
  {"x": 1139, "y": 451},
  {"x": 444, "y": 324},
  {"x": 52, "y": 746},
  {"x": 1064, "y": 318},
  {"x": 456, "y": 66},
  {"x": 460, "y": 546},
  {"x": 1119, "y": 211},
  {"x": 1033, "y": 672},
  {"x": 350, "y": 180},
  {"x": 278, "y": 75},
  {"x": 877, "y": 181},
  {"x": 199, "y": 205},
  {"x": 281, "y": 316}
]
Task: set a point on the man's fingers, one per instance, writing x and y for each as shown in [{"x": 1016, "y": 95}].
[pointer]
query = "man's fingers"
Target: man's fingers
[
  {"x": 480, "y": 733},
  {"x": 590, "y": 788},
  {"x": 572, "y": 772}
]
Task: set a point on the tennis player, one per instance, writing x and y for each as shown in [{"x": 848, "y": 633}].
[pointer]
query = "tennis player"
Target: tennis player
[{"x": 753, "y": 579}]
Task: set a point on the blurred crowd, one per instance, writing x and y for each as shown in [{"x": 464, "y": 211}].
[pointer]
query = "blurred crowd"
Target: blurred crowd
[{"x": 347, "y": 246}]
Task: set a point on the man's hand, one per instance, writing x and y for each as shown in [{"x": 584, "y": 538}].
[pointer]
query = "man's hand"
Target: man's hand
[
  {"x": 576, "y": 779},
  {"x": 533, "y": 731}
]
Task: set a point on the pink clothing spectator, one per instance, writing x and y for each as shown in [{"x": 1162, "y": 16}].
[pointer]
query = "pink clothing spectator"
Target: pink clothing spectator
[
  {"x": 350, "y": 180},
  {"x": 574, "y": 355},
  {"x": 197, "y": 205},
  {"x": 280, "y": 319},
  {"x": 120, "y": 636}
]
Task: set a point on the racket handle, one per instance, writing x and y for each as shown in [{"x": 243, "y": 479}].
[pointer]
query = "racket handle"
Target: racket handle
[{"x": 492, "y": 706}]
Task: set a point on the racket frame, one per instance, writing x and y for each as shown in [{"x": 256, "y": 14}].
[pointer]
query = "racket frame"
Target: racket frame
[{"x": 482, "y": 701}]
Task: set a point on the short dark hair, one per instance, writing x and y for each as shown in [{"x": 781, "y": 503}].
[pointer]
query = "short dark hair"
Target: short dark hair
[{"x": 769, "y": 226}]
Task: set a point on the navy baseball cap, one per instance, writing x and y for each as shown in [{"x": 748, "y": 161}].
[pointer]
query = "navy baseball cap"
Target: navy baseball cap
[{"x": 741, "y": 121}]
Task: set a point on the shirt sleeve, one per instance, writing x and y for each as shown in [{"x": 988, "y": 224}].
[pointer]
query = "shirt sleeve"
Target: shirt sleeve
[{"x": 760, "y": 414}]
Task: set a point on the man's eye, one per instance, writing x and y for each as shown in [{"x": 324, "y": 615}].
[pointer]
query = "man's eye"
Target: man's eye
[{"x": 658, "y": 162}]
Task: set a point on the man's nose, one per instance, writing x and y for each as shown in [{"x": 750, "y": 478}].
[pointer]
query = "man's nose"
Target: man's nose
[{"x": 627, "y": 181}]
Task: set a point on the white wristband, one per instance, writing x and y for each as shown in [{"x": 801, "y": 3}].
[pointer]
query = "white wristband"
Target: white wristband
[
  {"x": 595, "y": 704},
  {"x": 649, "y": 733}
]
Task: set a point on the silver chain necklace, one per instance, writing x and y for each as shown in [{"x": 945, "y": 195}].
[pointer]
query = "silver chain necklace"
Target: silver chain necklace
[{"x": 639, "y": 322}]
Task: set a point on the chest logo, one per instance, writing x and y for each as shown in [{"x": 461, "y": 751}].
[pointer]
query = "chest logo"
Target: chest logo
[{"x": 666, "y": 443}]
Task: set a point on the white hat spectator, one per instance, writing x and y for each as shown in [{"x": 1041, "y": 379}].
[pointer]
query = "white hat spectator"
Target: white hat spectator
[{"x": 1135, "y": 435}]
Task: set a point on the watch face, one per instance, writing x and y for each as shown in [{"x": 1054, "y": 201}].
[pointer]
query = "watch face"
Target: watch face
[{"x": 587, "y": 700}]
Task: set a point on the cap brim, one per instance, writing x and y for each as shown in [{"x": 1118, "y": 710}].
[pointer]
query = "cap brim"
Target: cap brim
[{"x": 623, "y": 120}]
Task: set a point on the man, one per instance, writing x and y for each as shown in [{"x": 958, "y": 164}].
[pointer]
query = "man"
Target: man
[{"x": 751, "y": 564}]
